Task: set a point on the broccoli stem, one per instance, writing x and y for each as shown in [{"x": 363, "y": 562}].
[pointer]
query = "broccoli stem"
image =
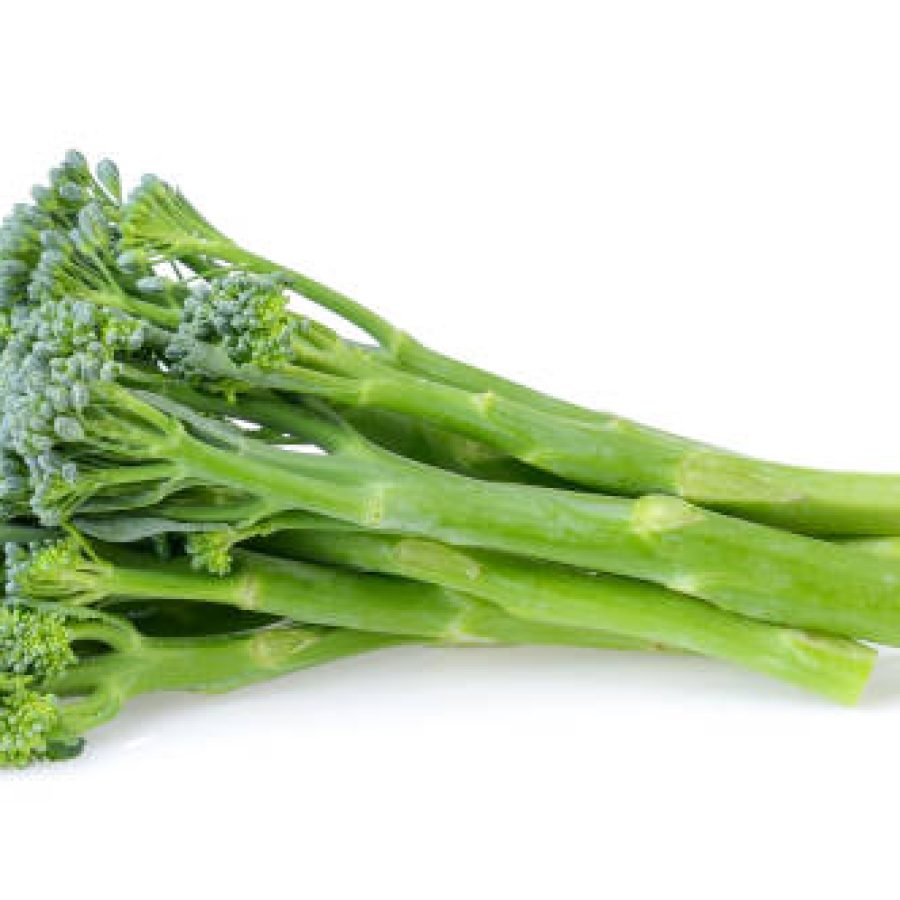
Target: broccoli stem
[
  {"x": 352, "y": 311},
  {"x": 324, "y": 595},
  {"x": 624, "y": 458},
  {"x": 547, "y": 593},
  {"x": 105, "y": 682},
  {"x": 597, "y": 449},
  {"x": 474, "y": 597},
  {"x": 422, "y": 442},
  {"x": 742, "y": 566},
  {"x": 884, "y": 546},
  {"x": 22, "y": 534}
]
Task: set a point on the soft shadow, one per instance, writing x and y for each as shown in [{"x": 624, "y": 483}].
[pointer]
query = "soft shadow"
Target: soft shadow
[{"x": 884, "y": 687}]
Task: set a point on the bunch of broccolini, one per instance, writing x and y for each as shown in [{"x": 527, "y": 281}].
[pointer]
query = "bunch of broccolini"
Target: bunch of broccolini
[{"x": 201, "y": 488}]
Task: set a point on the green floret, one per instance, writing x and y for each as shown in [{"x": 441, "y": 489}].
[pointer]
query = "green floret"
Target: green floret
[
  {"x": 28, "y": 720},
  {"x": 158, "y": 220},
  {"x": 55, "y": 210},
  {"x": 245, "y": 315},
  {"x": 14, "y": 279},
  {"x": 39, "y": 669},
  {"x": 73, "y": 427},
  {"x": 73, "y": 185},
  {"x": 108, "y": 176},
  {"x": 64, "y": 569},
  {"x": 64, "y": 417},
  {"x": 36, "y": 654},
  {"x": 81, "y": 264},
  {"x": 33, "y": 643},
  {"x": 210, "y": 551},
  {"x": 45, "y": 714},
  {"x": 20, "y": 251},
  {"x": 73, "y": 263}
]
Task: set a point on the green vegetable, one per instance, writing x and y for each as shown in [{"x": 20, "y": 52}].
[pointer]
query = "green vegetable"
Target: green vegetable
[
  {"x": 546, "y": 593},
  {"x": 69, "y": 570},
  {"x": 90, "y": 444},
  {"x": 162, "y": 532},
  {"x": 92, "y": 439},
  {"x": 52, "y": 696},
  {"x": 527, "y": 602},
  {"x": 595, "y": 449}
]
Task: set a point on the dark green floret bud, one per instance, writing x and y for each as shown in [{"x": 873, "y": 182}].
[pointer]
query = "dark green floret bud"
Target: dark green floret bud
[{"x": 108, "y": 175}]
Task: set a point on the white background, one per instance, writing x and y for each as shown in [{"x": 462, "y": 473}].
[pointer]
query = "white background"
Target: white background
[{"x": 686, "y": 212}]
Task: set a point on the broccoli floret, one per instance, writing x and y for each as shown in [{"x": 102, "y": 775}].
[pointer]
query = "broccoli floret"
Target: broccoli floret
[
  {"x": 54, "y": 211},
  {"x": 77, "y": 418},
  {"x": 210, "y": 551},
  {"x": 108, "y": 176},
  {"x": 37, "y": 656},
  {"x": 159, "y": 221},
  {"x": 82, "y": 263},
  {"x": 39, "y": 668},
  {"x": 28, "y": 720},
  {"x": 245, "y": 315},
  {"x": 64, "y": 569},
  {"x": 32, "y": 643},
  {"x": 64, "y": 416},
  {"x": 76, "y": 263}
]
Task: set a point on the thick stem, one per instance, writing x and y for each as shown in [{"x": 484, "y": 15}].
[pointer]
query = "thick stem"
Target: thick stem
[
  {"x": 617, "y": 455},
  {"x": 748, "y": 568},
  {"x": 324, "y": 595},
  {"x": 548, "y": 593},
  {"x": 803, "y": 499},
  {"x": 411, "y": 437},
  {"x": 607, "y": 452},
  {"x": 330, "y": 485}
]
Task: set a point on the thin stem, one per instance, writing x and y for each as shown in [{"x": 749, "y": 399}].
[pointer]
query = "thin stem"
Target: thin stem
[
  {"x": 337, "y": 597},
  {"x": 372, "y": 324},
  {"x": 103, "y": 683}
]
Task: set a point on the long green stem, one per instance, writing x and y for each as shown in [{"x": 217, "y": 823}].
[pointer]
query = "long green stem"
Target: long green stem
[
  {"x": 748, "y": 568},
  {"x": 599, "y": 450},
  {"x": 604, "y": 451},
  {"x": 208, "y": 665},
  {"x": 411, "y": 437},
  {"x": 558, "y": 594},
  {"x": 328, "y": 298},
  {"x": 475, "y": 597},
  {"x": 324, "y": 595}
]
